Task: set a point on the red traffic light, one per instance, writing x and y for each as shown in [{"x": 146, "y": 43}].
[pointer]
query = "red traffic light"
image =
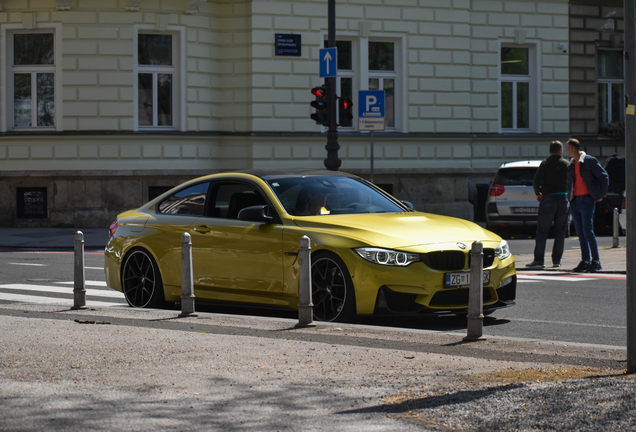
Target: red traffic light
[
  {"x": 346, "y": 104},
  {"x": 319, "y": 92}
]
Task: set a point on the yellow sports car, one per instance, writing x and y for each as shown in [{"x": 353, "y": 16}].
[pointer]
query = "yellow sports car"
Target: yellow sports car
[{"x": 371, "y": 253}]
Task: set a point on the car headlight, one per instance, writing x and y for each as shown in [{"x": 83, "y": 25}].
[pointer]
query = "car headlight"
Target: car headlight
[
  {"x": 387, "y": 256},
  {"x": 503, "y": 251}
]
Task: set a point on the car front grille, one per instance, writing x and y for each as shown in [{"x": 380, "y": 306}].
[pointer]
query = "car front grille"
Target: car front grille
[
  {"x": 489, "y": 258},
  {"x": 456, "y": 297},
  {"x": 454, "y": 260},
  {"x": 445, "y": 260}
]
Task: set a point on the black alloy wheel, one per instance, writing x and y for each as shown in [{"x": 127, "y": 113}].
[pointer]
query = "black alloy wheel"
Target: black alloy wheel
[
  {"x": 141, "y": 280},
  {"x": 331, "y": 288}
]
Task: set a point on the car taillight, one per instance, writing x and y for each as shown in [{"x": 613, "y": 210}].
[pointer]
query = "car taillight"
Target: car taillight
[
  {"x": 112, "y": 229},
  {"x": 623, "y": 202},
  {"x": 496, "y": 190}
]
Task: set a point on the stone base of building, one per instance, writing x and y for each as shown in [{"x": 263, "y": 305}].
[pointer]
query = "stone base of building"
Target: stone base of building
[{"x": 94, "y": 199}]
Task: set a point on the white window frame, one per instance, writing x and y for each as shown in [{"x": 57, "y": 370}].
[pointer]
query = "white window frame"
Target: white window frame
[
  {"x": 361, "y": 74},
  {"x": 534, "y": 88},
  {"x": 178, "y": 77},
  {"x": 7, "y": 70},
  {"x": 608, "y": 82}
]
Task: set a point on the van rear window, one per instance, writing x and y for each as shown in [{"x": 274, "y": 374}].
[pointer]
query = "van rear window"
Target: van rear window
[{"x": 515, "y": 176}]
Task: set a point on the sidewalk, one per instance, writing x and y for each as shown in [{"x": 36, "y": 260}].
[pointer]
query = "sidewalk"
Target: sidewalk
[
  {"x": 105, "y": 369},
  {"x": 613, "y": 260}
]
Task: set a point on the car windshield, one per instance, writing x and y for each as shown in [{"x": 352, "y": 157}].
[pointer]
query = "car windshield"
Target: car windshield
[
  {"x": 515, "y": 176},
  {"x": 321, "y": 195}
]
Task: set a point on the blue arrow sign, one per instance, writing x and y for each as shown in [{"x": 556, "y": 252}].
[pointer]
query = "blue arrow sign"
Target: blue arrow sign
[{"x": 328, "y": 62}]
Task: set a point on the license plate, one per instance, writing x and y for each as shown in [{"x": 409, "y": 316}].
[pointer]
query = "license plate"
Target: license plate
[
  {"x": 526, "y": 210},
  {"x": 454, "y": 280}
]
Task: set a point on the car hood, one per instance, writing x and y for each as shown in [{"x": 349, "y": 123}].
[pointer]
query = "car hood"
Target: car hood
[{"x": 400, "y": 230}]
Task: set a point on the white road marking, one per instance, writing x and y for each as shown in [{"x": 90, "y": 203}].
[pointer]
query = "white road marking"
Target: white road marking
[
  {"x": 63, "y": 290},
  {"x": 94, "y": 268},
  {"x": 554, "y": 278},
  {"x": 527, "y": 281},
  {"x": 30, "y": 264},
  {"x": 91, "y": 283},
  {"x": 52, "y": 300}
]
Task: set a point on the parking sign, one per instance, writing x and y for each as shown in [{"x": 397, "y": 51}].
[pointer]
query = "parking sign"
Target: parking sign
[{"x": 371, "y": 110}]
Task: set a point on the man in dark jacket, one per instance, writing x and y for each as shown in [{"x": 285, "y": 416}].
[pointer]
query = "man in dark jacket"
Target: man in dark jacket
[
  {"x": 551, "y": 188},
  {"x": 587, "y": 185}
]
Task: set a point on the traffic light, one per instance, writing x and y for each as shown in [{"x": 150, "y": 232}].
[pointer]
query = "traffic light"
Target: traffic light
[
  {"x": 345, "y": 112},
  {"x": 321, "y": 116}
]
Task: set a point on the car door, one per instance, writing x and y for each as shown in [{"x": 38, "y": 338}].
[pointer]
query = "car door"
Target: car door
[
  {"x": 234, "y": 257},
  {"x": 175, "y": 215}
]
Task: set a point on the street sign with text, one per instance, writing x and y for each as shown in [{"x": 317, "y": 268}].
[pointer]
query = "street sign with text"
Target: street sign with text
[{"x": 370, "y": 110}]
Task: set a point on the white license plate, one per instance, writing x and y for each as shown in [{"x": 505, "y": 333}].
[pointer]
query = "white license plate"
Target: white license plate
[
  {"x": 526, "y": 210},
  {"x": 454, "y": 280}
]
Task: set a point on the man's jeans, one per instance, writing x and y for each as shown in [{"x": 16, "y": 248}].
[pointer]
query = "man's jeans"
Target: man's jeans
[
  {"x": 551, "y": 208},
  {"x": 582, "y": 210}
]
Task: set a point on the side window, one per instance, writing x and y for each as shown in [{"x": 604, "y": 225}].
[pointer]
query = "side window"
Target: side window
[
  {"x": 189, "y": 201},
  {"x": 156, "y": 80},
  {"x": 516, "y": 80},
  {"x": 610, "y": 88},
  {"x": 382, "y": 76},
  {"x": 378, "y": 70},
  {"x": 32, "y": 80},
  {"x": 231, "y": 198}
]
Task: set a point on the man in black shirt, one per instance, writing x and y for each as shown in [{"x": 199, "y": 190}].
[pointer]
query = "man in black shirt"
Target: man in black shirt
[{"x": 551, "y": 188}]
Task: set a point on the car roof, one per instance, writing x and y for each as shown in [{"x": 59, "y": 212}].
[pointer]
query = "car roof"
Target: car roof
[
  {"x": 299, "y": 172},
  {"x": 521, "y": 164}
]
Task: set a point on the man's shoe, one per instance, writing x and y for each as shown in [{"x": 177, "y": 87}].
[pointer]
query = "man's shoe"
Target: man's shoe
[
  {"x": 556, "y": 265},
  {"x": 594, "y": 266},
  {"x": 535, "y": 265},
  {"x": 582, "y": 267}
]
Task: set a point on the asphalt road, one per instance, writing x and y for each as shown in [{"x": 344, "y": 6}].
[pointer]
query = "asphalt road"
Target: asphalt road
[{"x": 559, "y": 307}]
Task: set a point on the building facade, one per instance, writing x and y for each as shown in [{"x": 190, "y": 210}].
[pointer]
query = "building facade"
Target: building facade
[{"x": 106, "y": 104}]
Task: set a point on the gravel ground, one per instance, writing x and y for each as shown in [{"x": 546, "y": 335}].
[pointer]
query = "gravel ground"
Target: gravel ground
[
  {"x": 149, "y": 371},
  {"x": 589, "y": 404}
]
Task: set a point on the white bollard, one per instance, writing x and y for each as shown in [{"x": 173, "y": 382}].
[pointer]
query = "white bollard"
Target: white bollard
[
  {"x": 187, "y": 280},
  {"x": 305, "y": 305},
  {"x": 616, "y": 229},
  {"x": 476, "y": 294},
  {"x": 79, "y": 279}
]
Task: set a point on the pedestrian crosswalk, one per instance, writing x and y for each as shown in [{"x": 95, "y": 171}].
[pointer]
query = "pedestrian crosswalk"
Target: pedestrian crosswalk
[
  {"x": 61, "y": 294},
  {"x": 543, "y": 276}
]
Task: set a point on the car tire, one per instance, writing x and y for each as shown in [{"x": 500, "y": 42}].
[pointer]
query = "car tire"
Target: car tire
[
  {"x": 332, "y": 290},
  {"x": 141, "y": 280}
]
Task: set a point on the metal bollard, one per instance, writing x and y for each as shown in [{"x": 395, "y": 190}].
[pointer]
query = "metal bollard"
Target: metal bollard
[
  {"x": 305, "y": 305},
  {"x": 476, "y": 294},
  {"x": 616, "y": 229},
  {"x": 187, "y": 283},
  {"x": 79, "y": 279}
]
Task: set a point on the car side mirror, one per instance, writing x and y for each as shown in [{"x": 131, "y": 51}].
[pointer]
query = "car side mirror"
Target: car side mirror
[
  {"x": 257, "y": 213},
  {"x": 408, "y": 204}
]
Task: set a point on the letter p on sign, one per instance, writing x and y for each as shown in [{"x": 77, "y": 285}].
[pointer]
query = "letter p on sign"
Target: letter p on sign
[{"x": 371, "y": 100}]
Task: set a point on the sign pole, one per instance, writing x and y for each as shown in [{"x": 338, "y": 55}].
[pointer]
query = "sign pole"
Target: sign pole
[
  {"x": 371, "y": 116},
  {"x": 630, "y": 177},
  {"x": 332, "y": 162},
  {"x": 371, "y": 156}
]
